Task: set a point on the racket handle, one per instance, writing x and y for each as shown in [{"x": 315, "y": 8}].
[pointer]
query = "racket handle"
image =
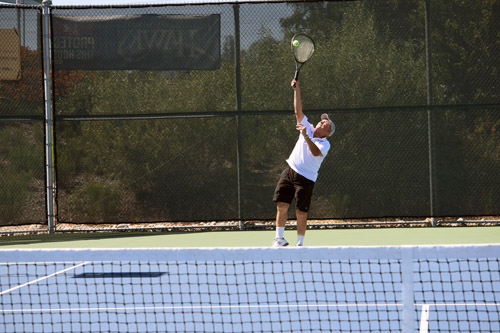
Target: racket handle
[{"x": 296, "y": 77}]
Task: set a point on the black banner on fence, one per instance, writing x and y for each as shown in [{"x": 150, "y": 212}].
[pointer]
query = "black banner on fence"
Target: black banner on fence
[{"x": 143, "y": 42}]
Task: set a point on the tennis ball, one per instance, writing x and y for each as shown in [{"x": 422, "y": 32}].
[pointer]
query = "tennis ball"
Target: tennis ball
[{"x": 295, "y": 43}]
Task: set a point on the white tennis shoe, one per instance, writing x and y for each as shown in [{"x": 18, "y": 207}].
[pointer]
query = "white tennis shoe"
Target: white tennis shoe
[{"x": 279, "y": 242}]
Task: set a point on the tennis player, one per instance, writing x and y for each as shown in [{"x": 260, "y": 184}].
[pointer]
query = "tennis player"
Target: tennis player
[{"x": 297, "y": 180}]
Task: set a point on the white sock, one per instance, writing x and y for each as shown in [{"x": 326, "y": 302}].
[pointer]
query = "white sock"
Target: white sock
[
  {"x": 300, "y": 239},
  {"x": 280, "y": 232}
]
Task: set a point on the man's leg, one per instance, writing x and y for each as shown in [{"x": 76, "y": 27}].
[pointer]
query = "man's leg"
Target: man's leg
[
  {"x": 281, "y": 218},
  {"x": 303, "y": 194},
  {"x": 301, "y": 226},
  {"x": 281, "y": 213},
  {"x": 283, "y": 196}
]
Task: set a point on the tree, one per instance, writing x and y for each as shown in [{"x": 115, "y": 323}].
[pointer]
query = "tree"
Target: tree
[
  {"x": 369, "y": 68},
  {"x": 25, "y": 96}
]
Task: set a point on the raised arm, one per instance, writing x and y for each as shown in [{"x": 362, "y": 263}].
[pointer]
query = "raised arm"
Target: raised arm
[
  {"x": 297, "y": 101},
  {"x": 310, "y": 144}
]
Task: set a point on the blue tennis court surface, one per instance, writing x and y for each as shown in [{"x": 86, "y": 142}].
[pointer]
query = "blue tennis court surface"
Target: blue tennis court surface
[{"x": 251, "y": 290}]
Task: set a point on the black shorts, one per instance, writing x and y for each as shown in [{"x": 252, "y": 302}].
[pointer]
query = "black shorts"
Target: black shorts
[{"x": 292, "y": 185}]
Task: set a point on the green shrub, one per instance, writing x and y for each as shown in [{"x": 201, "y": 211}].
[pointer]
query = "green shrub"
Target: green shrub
[
  {"x": 96, "y": 201},
  {"x": 13, "y": 195}
]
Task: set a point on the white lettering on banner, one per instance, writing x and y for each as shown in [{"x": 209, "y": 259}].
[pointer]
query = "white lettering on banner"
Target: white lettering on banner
[
  {"x": 172, "y": 41},
  {"x": 65, "y": 54},
  {"x": 73, "y": 48}
]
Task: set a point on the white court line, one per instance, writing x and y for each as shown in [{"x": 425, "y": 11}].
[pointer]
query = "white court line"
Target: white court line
[
  {"x": 258, "y": 306},
  {"x": 424, "y": 315},
  {"x": 457, "y": 304},
  {"x": 40, "y": 279},
  {"x": 424, "y": 319},
  {"x": 202, "y": 307}
]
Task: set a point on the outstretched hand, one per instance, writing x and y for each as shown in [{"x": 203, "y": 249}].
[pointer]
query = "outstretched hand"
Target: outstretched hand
[{"x": 302, "y": 129}]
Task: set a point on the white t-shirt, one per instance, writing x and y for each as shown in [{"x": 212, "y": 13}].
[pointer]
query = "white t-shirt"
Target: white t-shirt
[{"x": 302, "y": 160}]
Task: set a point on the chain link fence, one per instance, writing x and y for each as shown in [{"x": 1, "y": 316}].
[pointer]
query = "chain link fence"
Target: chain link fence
[
  {"x": 22, "y": 171},
  {"x": 413, "y": 91}
]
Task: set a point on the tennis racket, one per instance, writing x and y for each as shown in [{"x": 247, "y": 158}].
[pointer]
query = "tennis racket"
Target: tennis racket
[{"x": 302, "y": 50}]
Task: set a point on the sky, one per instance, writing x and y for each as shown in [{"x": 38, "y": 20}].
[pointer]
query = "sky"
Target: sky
[
  {"x": 250, "y": 20},
  {"x": 104, "y": 2},
  {"x": 115, "y": 2}
]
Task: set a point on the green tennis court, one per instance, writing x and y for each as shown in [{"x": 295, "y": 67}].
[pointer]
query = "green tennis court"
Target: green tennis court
[{"x": 315, "y": 237}]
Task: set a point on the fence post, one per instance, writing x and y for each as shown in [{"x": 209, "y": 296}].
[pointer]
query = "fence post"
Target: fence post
[
  {"x": 428, "y": 66},
  {"x": 48, "y": 115},
  {"x": 237, "y": 75}
]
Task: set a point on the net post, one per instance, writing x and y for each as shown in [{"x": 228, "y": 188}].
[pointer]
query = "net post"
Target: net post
[
  {"x": 407, "y": 289},
  {"x": 48, "y": 115}
]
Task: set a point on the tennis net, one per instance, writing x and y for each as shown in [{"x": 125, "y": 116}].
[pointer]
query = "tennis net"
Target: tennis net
[{"x": 317, "y": 289}]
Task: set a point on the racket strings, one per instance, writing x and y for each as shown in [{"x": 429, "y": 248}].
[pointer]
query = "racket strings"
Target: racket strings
[{"x": 304, "y": 50}]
